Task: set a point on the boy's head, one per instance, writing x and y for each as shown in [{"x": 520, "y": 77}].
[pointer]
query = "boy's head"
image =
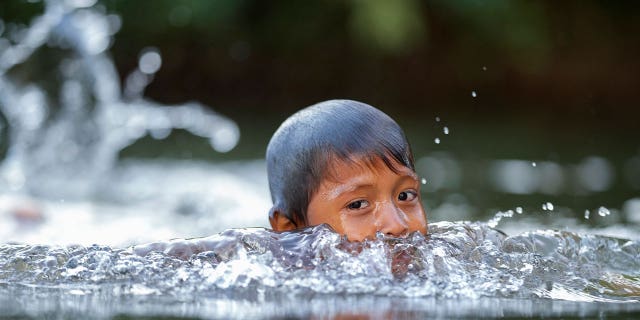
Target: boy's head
[{"x": 347, "y": 164}]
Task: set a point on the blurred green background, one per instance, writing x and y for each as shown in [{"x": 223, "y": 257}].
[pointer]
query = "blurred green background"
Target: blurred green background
[{"x": 550, "y": 82}]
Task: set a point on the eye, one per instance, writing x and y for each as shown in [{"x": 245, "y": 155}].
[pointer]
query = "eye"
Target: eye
[
  {"x": 407, "y": 195},
  {"x": 358, "y": 204}
]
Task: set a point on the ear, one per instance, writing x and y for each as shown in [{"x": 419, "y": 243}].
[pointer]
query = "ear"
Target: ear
[{"x": 280, "y": 222}]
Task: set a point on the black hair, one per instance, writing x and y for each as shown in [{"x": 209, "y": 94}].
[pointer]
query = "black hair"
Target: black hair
[{"x": 301, "y": 149}]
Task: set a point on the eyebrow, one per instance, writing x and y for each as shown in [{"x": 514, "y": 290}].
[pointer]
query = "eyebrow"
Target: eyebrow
[{"x": 345, "y": 188}]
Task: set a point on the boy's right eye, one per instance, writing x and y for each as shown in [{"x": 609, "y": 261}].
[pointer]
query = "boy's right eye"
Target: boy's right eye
[{"x": 358, "y": 204}]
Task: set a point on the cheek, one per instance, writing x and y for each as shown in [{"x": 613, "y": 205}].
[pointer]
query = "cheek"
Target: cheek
[
  {"x": 358, "y": 228},
  {"x": 320, "y": 212}
]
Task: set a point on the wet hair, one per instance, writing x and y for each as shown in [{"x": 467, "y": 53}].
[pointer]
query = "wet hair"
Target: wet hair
[{"x": 301, "y": 150}]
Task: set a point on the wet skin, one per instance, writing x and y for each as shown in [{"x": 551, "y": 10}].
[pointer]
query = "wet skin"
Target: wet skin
[{"x": 358, "y": 199}]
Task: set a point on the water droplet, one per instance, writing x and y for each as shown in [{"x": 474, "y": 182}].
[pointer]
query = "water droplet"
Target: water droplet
[
  {"x": 150, "y": 61},
  {"x": 474, "y": 94},
  {"x": 544, "y": 206},
  {"x": 436, "y": 140},
  {"x": 533, "y": 164},
  {"x": 445, "y": 130},
  {"x": 602, "y": 211},
  {"x": 80, "y": 3},
  {"x": 587, "y": 213},
  {"x": 519, "y": 210},
  {"x": 437, "y": 119},
  {"x": 423, "y": 181},
  {"x": 484, "y": 68},
  {"x": 547, "y": 206}
]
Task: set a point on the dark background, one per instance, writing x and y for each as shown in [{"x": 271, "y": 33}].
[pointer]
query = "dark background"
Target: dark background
[
  {"x": 553, "y": 80},
  {"x": 561, "y": 74}
]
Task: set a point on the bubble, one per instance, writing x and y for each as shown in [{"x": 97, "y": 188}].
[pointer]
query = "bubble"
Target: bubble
[
  {"x": 445, "y": 130},
  {"x": 436, "y": 140},
  {"x": 602, "y": 211},
  {"x": 150, "y": 61},
  {"x": 474, "y": 94}
]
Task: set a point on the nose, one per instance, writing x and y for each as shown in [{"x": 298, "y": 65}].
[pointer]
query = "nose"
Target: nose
[{"x": 391, "y": 220}]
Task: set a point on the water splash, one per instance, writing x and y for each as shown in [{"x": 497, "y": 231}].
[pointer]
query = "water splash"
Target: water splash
[
  {"x": 603, "y": 212},
  {"x": 457, "y": 260},
  {"x": 64, "y": 138}
]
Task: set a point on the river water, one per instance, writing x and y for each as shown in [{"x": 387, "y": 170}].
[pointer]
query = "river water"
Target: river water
[{"x": 86, "y": 234}]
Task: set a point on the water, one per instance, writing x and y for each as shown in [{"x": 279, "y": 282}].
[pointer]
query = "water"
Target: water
[
  {"x": 84, "y": 233},
  {"x": 65, "y": 137},
  {"x": 243, "y": 273}
]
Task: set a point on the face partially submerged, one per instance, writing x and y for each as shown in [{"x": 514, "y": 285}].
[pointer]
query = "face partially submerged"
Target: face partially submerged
[{"x": 360, "y": 198}]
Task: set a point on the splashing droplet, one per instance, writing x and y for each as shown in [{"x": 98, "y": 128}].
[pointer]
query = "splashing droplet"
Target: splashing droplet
[
  {"x": 437, "y": 119},
  {"x": 587, "y": 213},
  {"x": 547, "y": 206},
  {"x": 519, "y": 210},
  {"x": 436, "y": 140},
  {"x": 474, "y": 94},
  {"x": 150, "y": 61},
  {"x": 534, "y": 164},
  {"x": 602, "y": 211},
  {"x": 423, "y": 181},
  {"x": 445, "y": 130}
]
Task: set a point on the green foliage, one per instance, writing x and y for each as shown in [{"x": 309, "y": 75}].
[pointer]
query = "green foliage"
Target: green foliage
[
  {"x": 519, "y": 28},
  {"x": 390, "y": 26}
]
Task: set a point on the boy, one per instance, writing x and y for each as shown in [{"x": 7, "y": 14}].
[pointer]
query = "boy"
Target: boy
[{"x": 346, "y": 164}]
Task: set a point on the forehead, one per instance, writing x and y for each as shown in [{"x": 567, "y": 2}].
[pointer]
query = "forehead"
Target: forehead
[{"x": 339, "y": 170}]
